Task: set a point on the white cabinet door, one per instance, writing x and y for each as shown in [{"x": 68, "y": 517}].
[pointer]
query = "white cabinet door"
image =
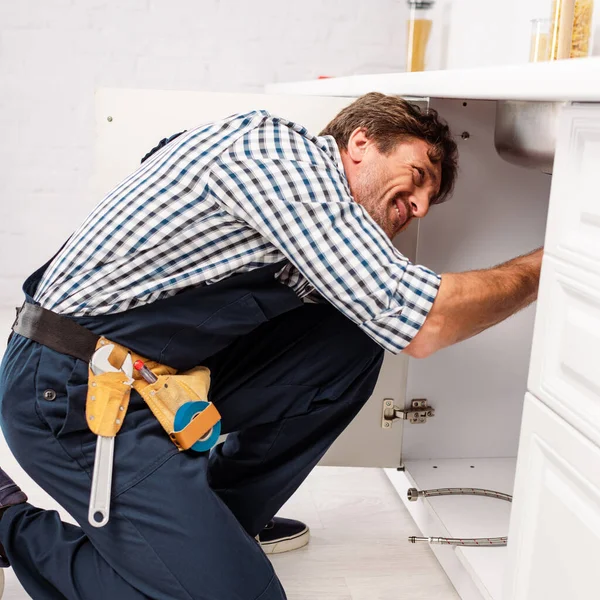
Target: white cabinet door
[
  {"x": 573, "y": 232},
  {"x": 554, "y": 539},
  {"x": 564, "y": 371},
  {"x": 130, "y": 122},
  {"x": 554, "y": 535}
]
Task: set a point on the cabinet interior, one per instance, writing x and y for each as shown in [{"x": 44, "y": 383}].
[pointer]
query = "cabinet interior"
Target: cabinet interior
[{"x": 477, "y": 387}]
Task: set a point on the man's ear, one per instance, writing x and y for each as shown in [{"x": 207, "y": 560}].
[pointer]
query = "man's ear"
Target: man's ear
[{"x": 358, "y": 142}]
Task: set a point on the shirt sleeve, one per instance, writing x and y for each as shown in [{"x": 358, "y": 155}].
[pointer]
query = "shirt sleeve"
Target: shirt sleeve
[{"x": 285, "y": 188}]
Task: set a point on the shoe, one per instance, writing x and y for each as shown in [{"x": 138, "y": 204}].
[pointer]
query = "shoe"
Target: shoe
[
  {"x": 10, "y": 494},
  {"x": 283, "y": 535}
]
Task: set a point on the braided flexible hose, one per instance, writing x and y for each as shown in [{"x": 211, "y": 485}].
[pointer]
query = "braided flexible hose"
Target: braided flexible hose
[
  {"x": 414, "y": 494},
  {"x": 479, "y": 542}
]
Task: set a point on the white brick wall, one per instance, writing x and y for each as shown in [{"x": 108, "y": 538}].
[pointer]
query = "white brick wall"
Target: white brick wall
[{"x": 53, "y": 53}]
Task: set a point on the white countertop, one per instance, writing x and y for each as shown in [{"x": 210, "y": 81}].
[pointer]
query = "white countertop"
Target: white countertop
[{"x": 574, "y": 79}]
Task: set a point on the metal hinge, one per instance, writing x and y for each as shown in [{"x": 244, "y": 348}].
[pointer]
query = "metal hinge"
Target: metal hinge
[{"x": 418, "y": 412}]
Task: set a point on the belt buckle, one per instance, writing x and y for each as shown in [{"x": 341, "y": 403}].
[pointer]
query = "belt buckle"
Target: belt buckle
[{"x": 18, "y": 310}]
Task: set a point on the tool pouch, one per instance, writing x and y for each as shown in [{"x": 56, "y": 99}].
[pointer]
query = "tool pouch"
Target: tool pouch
[
  {"x": 108, "y": 395},
  {"x": 169, "y": 393},
  {"x": 108, "y": 398}
]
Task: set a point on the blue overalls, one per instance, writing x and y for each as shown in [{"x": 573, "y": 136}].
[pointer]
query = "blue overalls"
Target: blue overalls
[{"x": 287, "y": 378}]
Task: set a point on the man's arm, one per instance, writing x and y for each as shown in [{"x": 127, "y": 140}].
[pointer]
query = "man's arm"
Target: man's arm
[{"x": 468, "y": 303}]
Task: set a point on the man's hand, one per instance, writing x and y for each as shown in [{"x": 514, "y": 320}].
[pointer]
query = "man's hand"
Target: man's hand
[{"x": 468, "y": 303}]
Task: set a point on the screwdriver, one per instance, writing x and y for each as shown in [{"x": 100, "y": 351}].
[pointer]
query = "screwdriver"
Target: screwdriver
[{"x": 145, "y": 372}]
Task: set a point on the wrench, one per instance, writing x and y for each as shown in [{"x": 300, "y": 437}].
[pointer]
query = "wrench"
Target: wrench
[{"x": 99, "y": 507}]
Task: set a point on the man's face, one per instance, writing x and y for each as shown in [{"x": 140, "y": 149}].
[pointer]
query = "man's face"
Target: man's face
[{"x": 393, "y": 188}]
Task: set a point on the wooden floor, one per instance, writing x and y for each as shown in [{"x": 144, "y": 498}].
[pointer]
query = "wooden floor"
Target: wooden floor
[{"x": 358, "y": 549}]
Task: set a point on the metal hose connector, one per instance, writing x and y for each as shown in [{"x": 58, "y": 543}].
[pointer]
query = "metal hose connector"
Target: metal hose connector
[
  {"x": 479, "y": 542},
  {"x": 414, "y": 495}
]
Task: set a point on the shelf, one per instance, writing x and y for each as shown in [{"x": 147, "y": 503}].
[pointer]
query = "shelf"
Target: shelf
[
  {"x": 463, "y": 517},
  {"x": 575, "y": 80}
]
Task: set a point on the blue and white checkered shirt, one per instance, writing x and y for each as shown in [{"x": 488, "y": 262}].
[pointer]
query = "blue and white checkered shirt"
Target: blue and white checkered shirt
[{"x": 232, "y": 196}]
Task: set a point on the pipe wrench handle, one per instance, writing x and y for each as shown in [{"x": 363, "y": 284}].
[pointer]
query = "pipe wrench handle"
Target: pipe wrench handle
[{"x": 99, "y": 508}]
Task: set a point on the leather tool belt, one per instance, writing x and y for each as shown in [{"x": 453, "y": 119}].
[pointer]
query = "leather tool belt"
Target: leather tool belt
[{"x": 177, "y": 400}]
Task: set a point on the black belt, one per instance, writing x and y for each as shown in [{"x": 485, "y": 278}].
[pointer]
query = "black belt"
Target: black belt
[{"x": 55, "y": 331}]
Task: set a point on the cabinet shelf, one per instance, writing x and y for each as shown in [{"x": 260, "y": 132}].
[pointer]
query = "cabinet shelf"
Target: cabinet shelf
[{"x": 463, "y": 516}]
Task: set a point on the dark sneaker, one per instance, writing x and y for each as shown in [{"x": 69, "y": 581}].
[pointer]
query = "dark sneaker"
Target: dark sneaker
[
  {"x": 282, "y": 535},
  {"x": 10, "y": 494}
]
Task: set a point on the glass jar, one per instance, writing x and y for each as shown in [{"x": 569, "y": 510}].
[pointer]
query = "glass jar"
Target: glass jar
[
  {"x": 540, "y": 40},
  {"x": 582, "y": 27},
  {"x": 419, "y": 30},
  {"x": 576, "y": 17}
]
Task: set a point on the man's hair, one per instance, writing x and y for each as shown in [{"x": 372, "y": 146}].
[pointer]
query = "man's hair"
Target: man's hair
[{"x": 388, "y": 120}]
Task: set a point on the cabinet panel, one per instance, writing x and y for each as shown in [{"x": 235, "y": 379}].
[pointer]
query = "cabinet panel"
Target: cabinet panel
[
  {"x": 564, "y": 370},
  {"x": 574, "y": 220},
  {"x": 555, "y": 523},
  {"x": 130, "y": 122}
]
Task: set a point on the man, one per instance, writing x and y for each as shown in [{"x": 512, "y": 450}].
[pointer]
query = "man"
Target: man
[{"x": 263, "y": 252}]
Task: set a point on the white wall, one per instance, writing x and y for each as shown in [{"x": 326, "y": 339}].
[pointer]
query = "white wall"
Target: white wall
[
  {"x": 476, "y": 33},
  {"x": 54, "y": 53}
]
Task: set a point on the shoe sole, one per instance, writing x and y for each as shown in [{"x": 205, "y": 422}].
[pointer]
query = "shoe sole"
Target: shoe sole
[{"x": 287, "y": 544}]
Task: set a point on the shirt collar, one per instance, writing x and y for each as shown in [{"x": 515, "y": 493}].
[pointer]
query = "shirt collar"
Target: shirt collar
[{"x": 329, "y": 144}]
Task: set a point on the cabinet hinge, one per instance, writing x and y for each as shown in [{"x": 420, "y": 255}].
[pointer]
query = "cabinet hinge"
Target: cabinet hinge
[{"x": 418, "y": 412}]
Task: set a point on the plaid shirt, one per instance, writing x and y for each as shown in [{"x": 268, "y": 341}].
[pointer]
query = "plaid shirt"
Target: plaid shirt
[{"x": 232, "y": 196}]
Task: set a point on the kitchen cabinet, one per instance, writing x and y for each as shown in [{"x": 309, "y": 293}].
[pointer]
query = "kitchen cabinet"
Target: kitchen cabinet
[{"x": 479, "y": 435}]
